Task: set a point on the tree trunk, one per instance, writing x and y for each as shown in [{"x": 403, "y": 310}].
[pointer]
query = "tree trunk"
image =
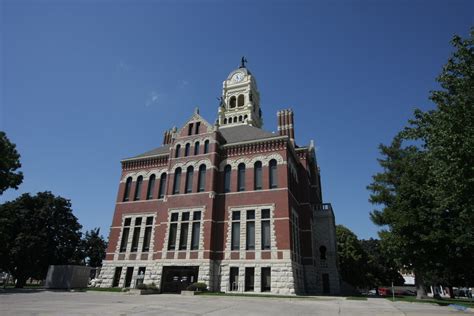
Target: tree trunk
[{"x": 420, "y": 286}]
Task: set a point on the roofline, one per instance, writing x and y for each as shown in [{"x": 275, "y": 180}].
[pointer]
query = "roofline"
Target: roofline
[
  {"x": 142, "y": 157},
  {"x": 256, "y": 140}
]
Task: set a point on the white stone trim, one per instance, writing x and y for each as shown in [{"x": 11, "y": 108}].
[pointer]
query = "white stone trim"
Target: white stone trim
[{"x": 249, "y": 162}]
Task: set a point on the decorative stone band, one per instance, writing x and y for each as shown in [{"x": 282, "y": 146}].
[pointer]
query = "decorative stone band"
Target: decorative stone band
[
  {"x": 194, "y": 163},
  {"x": 249, "y": 162},
  {"x": 145, "y": 174},
  {"x": 192, "y": 141}
]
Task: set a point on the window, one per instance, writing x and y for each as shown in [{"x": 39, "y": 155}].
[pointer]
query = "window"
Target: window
[
  {"x": 206, "y": 146},
  {"x": 235, "y": 236},
  {"x": 250, "y": 238},
  {"x": 198, "y": 124},
  {"x": 241, "y": 177},
  {"x": 186, "y": 149},
  {"x": 190, "y": 128},
  {"x": 124, "y": 241},
  {"x": 227, "y": 174},
  {"x": 183, "y": 236},
  {"x": 232, "y": 102},
  {"x": 178, "y": 149},
  {"x": 273, "y": 174},
  {"x": 196, "y": 231},
  {"x": 177, "y": 180},
  {"x": 249, "y": 278},
  {"x": 266, "y": 229},
  {"x": 322, "y": 253},
  {"x": 128, "y": 186},
  {"x": 147, "y": 237},
  {"x": 241, "y": 100},
  {"x": 196, "y": 148},
  {"x": 117, "y": 274},
  {"x": 189, "y": 180},
  {"x": 266, "y": 279},
  {"x": 257, "y": 179},
  {"x": 202, "y": 178},
  {"x": 161, "y": 192},
  {"x": 136, "y": 234},
  {"x": 172, "y": 232},
  {"x": 138, "y": 188},
  {"x": 151, "y": 187},
  {"x": 241, "y": 118}
]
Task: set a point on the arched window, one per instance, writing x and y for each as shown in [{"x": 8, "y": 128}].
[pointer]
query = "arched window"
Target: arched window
[
  {"x": 273, "y": 174},
  {"x": 177, "y": 180},
  {"x": 161, "y": 192},
  {"x": 322, "y": 253},
  {"x": 257, "y": 176},
  {"x": 241, "y": 177},
  {"x": 241, "y": 100},
  {"x": 186, "y": 149},
  {"x": 245, "y": 116},
  {"x": 178, "y": 149},
  {"x": 138, "y": 188},
  {"x": 189, "y": 180},
  {"x": 206, "y": 146},
  {"x": 151, "y": 187},
  {"x": 227, "y": 174},
  {"x": 202, "y": 178},
  {"x": 241, "y": 118},
  {"x": 196, "y": 148},
  {"x": 235, "y": 119},
  {"x": 232, "y": 102},
  {"x": 225, "y": 121},
  {"x": 128, "y": 187}
]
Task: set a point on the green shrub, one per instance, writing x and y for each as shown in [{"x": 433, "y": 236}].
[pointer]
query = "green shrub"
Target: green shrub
[
  {"x": 198, "y": 286},
  {"x": 145, "y": 286}
]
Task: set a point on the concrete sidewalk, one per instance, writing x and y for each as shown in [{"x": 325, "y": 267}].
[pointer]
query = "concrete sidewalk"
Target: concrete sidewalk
[{"x": 104, "y": 303}]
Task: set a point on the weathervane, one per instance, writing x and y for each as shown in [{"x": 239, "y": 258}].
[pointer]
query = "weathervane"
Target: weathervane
[{"x": 243, "y": 61}]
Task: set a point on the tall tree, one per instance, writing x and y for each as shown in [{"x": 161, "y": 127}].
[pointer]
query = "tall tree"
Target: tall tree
[
  {"x": 352, "y": 258},
  {"x": 9, "y": 163},
  {"x": 425, "y": 188},
  {"x": 94, "y": 246},
  {"x": 35, "y": 232}
]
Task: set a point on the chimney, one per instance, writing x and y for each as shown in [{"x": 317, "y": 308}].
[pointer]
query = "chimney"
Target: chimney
[
  {"x": 167, "y": 137},
  {"x": 285, "y": 123}
]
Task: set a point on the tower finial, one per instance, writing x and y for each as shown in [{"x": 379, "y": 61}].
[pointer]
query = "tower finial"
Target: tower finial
[{"x": 243, "y": 60}]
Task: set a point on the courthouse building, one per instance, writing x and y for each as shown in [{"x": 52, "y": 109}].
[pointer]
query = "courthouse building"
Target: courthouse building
[{"x": 227, "y": 204}]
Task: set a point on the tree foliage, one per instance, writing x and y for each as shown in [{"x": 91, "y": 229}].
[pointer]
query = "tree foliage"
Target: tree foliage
[
  {"x": 93, "y": 247},
  {"x": 9, "y": 163},
  {"x": 427, "y": 182},
  {"x": 35, "y": 232},
  {"x": 362, "y": 263}
]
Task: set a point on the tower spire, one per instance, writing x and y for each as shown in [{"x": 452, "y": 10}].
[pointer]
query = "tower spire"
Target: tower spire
[{"x": 243, "y": 60}]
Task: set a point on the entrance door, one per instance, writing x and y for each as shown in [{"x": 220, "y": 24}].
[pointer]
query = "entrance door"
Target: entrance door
[
  {"x": 117, "y": 274},
  {"x": 176, "y": 279},
  {"x": 325, "y": 283},
  {"x": 128, "y": 277},
  {"x": 249, "y": 279},
  {"x": 234, "y": 279}
]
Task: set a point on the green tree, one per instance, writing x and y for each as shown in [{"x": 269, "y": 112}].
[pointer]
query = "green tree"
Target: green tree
[
  {"x": 352, "y": 258},
  {"x": 427, "y": 182},
  {"x": 94, "y": 246},
  {"x": 35, "y": 232},
  {"x": 9, "y": 163}
]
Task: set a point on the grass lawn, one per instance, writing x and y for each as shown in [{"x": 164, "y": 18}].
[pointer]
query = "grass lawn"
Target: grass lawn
[
  {"x": 260, "y": 295},
  {"x": 442, "y": 302},
  {"x": 102, "y": 289}
]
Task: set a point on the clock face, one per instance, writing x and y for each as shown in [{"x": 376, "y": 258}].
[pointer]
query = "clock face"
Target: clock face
[{"x": 237, "y": 77}]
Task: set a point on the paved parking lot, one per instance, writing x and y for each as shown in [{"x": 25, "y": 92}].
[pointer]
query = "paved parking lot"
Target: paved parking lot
[{"x": 102, "y": 303}]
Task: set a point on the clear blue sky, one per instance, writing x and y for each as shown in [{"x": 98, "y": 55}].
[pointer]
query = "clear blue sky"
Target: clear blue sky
[{"x": 87, "y": 83}]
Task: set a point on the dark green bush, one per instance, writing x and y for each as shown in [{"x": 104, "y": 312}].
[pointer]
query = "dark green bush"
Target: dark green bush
[{"x": 198, "y": 286}]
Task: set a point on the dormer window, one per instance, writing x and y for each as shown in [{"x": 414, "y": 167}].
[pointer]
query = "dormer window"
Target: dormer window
[
  {"x": 190, "y": 128},
  {"x": 198, "y": 124}
]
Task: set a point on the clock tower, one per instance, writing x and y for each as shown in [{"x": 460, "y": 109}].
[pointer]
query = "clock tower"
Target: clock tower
[{"x": 240, "y": 101}]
